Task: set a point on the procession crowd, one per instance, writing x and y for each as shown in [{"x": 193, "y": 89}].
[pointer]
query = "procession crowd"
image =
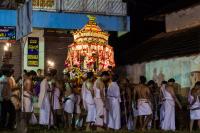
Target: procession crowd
[{"x": 93, "y": 102}]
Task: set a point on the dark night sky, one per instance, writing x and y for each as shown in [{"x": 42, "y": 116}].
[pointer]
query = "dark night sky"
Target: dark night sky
[{"x": 142, "y": 27}]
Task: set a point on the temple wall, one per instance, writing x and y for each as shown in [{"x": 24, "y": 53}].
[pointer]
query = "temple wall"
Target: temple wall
[{"x": 185, "y": 70}]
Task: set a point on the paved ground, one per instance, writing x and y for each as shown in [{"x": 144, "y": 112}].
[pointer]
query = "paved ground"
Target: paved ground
[{"x": 39, "y": 130}]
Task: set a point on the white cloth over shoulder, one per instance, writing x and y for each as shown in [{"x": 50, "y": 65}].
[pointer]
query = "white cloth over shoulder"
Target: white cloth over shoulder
[
  {"x": 114, "y": 113},
  {"x": 168, "y": 111},
  {"x": 144, "y": 107},
  {"x": 44, "y": 104}
]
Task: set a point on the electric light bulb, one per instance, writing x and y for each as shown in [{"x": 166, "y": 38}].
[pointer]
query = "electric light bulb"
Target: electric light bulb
[{"x": 5, "y": 48}]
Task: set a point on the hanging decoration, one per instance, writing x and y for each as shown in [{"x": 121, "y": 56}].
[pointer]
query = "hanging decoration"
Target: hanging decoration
[{"x": 90, "y": 50}]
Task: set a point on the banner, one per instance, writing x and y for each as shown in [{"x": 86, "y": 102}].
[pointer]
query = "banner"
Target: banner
[
  {"x": 33, "y": 52},
  {"x": 7, "y": 33},
  {"x": 46, "y": 4},
  {"x": 24, "y": 20}
]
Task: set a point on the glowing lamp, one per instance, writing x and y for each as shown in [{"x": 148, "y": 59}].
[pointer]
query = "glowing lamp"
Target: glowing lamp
[{"x": 6, "y": 48}]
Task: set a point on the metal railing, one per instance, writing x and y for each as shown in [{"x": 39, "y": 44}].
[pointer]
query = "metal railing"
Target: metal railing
[{"x": 105, "y": 7}]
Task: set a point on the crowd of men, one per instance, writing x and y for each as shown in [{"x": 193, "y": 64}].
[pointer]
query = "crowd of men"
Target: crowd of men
[{"x": 96, "y": 102}]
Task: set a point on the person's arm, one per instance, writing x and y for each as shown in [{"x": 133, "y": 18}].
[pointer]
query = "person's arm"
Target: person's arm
[
  {"x": 10, "y": 84},
  {"x": 171, "y": 90},
  {"x": 161, "y": 96},
  {"x": 134, "y": 97},
  {"x": 118, "y": 93},
  {"x": 195, "y": 95},
  {"x": 148, "y": 93},
  {"x": 194, "y": 100},
  {"x": 102, "y": 93},
  {"x": 83, "y": 106},
  {"x": 129, "y": 98},
  {"x": 28, "y": 86}
]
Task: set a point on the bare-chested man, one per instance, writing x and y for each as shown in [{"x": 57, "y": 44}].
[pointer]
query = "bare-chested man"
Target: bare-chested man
[
  {"x": 28, "y": 95},
  {"x": 142, "y": 97},
  {"x": 125, "y": 92},
  {"x": 7, "y": 105},
  {"x": 100, "y": 99}
]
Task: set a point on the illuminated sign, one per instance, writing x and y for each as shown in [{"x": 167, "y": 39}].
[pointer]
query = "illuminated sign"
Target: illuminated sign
[
  {"x": 7, "y": 33},
  {"x": 33, "y": 52},
  {"x": 44, "y": 4}
]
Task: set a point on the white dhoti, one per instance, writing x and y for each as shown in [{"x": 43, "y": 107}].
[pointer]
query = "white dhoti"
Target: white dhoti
[
  {"x": 100, "y": 112},
  {"x": 88, "y": 103},
  {"x": 56, "y": 103},
  {"x": 114, "y": 114},
  {"x": 168, "y": 122},
  {"x": 28, "y": 105},
  {"x": 144, "y": 107},
  {"x": 167, "y": 111},
  {"x": 161, "y": 115},
  {"x": 45, "y": 112},
  {"x": 195, "y": 114},
  {"x": 69, "y": 104},
  {"x": 91, "y": 113},
  {"x": 195, "y": 108}
]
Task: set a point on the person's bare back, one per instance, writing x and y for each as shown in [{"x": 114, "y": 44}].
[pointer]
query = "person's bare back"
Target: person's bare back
[
  {"x": 28, "y": 85},
  {"x": 142, "y": 91}
]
